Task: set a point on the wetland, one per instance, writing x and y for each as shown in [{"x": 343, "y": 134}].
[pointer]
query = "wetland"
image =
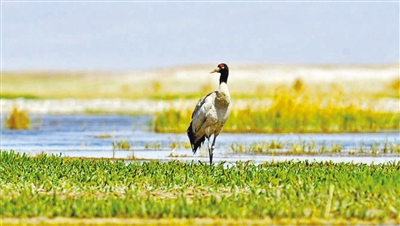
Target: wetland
[{"x": 304, "y": 145}]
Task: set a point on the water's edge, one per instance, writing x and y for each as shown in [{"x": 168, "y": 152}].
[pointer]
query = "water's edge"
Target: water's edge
[{"x": 95, "y": 136}]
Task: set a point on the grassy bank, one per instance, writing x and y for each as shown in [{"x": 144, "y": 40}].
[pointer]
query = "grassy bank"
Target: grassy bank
[{"x": 52, "y": 186}]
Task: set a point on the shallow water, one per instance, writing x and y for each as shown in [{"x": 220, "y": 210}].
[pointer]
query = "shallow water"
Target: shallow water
[{"x": 94, "y": 135}]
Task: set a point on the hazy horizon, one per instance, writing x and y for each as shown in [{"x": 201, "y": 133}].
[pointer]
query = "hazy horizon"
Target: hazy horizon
[{"x": 134, "y": 36}]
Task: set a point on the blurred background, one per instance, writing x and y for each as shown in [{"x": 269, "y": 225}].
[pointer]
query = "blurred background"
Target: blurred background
[
  {"x": 134, "y": 36},
  {"x": 299, "y": 63}
]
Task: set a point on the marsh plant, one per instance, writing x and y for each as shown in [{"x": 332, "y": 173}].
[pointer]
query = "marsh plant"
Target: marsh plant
[
  {"x": 18, "y": 120},
  {"x": 121, "y": 145},
  {"x": 312, "y": 148},
  {"x": 124, "y": 146},
  {"x": 295, "y": 110}
]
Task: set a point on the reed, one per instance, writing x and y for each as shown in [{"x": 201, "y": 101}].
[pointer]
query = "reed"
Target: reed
[
  {"x": 18, "y": 120},
  {"x": 121, "y": 145},
  {"x": 173, "y": 121},
  {"x": 295, "y": 111}
]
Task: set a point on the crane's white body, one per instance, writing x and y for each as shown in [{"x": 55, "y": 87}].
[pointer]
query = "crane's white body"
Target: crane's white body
[{"x": 210, "y": 114}]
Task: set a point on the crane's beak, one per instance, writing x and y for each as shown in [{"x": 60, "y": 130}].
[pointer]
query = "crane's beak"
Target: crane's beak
[{"x": 215, "y": 70}]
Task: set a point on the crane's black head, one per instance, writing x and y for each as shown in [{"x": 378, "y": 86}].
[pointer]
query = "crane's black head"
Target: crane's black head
[{"x": 223, "y": 70}]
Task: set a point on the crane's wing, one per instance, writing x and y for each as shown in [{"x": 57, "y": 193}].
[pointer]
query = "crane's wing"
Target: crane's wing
[
  {"x": 202, "y": 107},
  {"x": 198, "y": 118}
]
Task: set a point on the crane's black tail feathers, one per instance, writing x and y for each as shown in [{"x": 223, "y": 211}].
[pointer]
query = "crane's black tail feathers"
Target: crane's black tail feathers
[{"x": 192, "y": 137}]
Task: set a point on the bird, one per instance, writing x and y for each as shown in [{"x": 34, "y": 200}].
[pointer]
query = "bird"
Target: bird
[{"x": 210, "y": 114}]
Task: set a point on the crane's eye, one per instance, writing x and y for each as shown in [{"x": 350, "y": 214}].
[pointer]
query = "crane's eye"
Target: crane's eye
[{"x": 221, "y": 66}]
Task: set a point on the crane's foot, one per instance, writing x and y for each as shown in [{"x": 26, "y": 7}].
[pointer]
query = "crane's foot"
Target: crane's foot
[{"x": 201, "y": 163}]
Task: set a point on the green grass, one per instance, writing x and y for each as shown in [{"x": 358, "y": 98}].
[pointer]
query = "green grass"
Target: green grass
[{"x": 53, "y": 186}]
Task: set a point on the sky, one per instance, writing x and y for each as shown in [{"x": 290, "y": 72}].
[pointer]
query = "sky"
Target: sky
[{"x": 131, "y": 36}]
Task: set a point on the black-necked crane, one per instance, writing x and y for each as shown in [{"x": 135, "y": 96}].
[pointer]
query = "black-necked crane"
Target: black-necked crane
[{"x": 210, "y": 114}]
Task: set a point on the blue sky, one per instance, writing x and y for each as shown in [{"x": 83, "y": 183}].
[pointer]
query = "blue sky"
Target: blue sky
[{"x": 129, "y": 36}]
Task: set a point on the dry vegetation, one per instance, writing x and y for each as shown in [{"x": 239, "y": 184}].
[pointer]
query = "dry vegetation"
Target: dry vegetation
[
  {"x": 18, "y": 120},
  {"x": 299, "y": 109},
  {"x": 245, "y": 81}
]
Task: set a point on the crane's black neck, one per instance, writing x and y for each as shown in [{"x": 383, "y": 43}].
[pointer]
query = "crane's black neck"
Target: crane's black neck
[{"x": 224, "y": 77}]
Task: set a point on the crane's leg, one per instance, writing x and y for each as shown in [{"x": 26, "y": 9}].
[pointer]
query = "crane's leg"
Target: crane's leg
[
  {"x": 208, "y": 147},
  {"x": 211, "y": 149}
]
